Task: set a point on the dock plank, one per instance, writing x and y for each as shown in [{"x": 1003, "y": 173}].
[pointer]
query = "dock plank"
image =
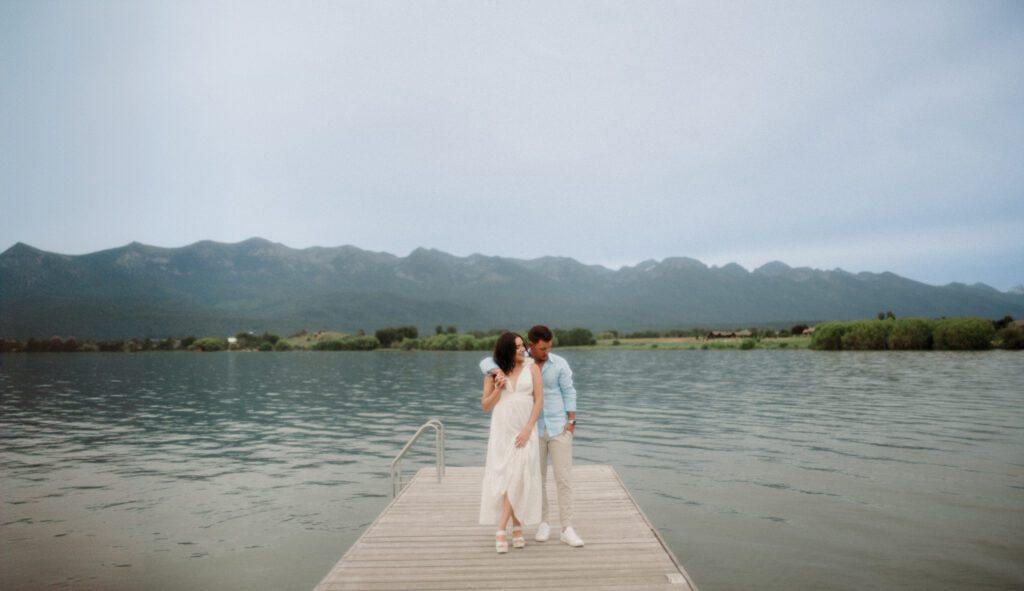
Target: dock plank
[{"x": 428, "y": 538}]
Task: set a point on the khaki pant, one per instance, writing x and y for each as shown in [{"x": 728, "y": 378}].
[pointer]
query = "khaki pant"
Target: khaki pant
[{"x": 559, "y": 449}]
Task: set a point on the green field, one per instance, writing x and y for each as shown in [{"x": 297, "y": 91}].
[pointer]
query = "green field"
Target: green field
[{"x": 309, "y": 339}]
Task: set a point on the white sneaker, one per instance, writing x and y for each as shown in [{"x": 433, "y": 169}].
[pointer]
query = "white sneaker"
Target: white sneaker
[
  {"x": 569, "y": 537},
  {"x": 543, "y": 532}
]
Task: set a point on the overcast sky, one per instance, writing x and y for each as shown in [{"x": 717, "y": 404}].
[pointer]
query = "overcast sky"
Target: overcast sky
[{"x": 871, "y": 136}]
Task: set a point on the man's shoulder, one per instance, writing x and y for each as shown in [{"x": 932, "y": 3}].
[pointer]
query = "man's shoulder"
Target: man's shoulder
[{"x": 558, "y": 360}]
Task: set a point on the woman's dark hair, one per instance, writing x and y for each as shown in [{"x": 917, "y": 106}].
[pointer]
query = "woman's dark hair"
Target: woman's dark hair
[{"x": 505, "y": 351}]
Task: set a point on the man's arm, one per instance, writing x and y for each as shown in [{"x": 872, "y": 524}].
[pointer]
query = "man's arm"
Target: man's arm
[
  {"x": 568, "y": 390},
  {"x": 488, "y": 365},
  {"x": 490, "y": 368}
]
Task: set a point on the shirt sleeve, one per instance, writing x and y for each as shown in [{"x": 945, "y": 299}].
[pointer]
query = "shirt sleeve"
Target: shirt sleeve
[
  {"x": 487, "y": 365},
  {"x": 568, "y": 391}
]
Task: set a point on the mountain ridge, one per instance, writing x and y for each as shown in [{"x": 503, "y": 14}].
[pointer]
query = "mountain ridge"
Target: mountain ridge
[{"x": 212, "y": 287}]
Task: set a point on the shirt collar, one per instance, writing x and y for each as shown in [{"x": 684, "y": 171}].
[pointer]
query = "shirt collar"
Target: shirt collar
[{"x": 551, "y": 357}]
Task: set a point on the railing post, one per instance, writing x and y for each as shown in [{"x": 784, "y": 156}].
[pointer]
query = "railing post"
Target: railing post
[{"x": 396, "y": 464}]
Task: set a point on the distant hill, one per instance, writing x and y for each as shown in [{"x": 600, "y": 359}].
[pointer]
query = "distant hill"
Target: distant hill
[{"x": 214, "y": 288}]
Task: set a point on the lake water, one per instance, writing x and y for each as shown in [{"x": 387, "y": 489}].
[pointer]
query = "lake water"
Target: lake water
[{"x": 768, "y": 470}]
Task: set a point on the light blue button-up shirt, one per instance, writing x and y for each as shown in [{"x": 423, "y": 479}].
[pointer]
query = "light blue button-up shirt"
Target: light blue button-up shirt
[{"x": 559, "y": 393}]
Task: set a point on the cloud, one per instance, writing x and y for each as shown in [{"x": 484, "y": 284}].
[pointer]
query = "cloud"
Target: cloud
[{"x": 603, "y": 131}]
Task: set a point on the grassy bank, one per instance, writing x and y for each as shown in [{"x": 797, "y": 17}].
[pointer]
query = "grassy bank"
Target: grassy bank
[
  {"x": 861, "y": 335},
  {"x": 700, "y": 343}
]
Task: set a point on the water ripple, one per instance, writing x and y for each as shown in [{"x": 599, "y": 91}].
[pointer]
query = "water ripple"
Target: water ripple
[{"x": 852, "y": 458}]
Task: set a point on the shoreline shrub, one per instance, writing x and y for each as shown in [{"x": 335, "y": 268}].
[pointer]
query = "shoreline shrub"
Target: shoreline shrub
[
  {"x": 450, "y": 342},
  {"x": 963, "y": 334},
  {"x": 391, "y": 335},
  {"x": 911, "y": 334},
  {"x": 574, "y": 337},
  {"x": 1011, "y": 338},
  {"x": 866, "y": 335},
  {"x": 353, "y": 343},
  {"x": 829, "y": 336}
]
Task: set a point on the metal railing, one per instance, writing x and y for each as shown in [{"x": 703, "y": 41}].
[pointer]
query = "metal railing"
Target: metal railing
[{"x": 396, "y": 464}]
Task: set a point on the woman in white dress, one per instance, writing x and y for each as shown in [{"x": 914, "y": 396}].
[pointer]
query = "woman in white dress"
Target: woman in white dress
[{"x": 512, "y": 485}]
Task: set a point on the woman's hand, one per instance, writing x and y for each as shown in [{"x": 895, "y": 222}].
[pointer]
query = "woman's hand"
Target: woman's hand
[
  {"x": 499, "y": 379},
  {"x": 490, "y": 397},
  {"x": 523, "y": 437}
]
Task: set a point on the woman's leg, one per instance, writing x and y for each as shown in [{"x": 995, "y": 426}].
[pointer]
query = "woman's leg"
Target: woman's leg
[
  {"x": 501, "y": 537},
  {"x": 506, "y": 512},
  {"x": 518, "y": 541}
]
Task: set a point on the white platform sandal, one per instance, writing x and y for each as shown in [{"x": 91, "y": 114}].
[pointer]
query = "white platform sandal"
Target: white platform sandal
[
  {"x": 501, "y": 544},
  {"x": 518, "y": 541}
]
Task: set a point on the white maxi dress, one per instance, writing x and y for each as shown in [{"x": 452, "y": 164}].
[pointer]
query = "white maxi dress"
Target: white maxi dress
[{"x": 510, "y": 469}]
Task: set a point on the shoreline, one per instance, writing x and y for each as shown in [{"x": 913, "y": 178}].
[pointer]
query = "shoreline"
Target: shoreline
[{"x": 644, "y": 344}]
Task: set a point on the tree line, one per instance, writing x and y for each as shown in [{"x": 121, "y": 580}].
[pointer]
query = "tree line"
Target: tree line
[
  {"x": 884, "y": 333},
  {"x": 243, "y": 342},
  {"x": 698, "y": 332},
  {"x": 400, "y": 337},
  {"x": 918, "y": 334}
]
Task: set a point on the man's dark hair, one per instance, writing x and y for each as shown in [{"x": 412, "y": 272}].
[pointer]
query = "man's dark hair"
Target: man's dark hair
[
  {"x": 505, "y": 352},
  {"x": 540, "y": 333}
]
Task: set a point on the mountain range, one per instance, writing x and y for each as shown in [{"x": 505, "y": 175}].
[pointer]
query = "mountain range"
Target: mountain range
[{"x": 211, "y": 288}]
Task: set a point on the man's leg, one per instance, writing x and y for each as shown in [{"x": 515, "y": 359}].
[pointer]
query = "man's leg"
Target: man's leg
[
  {"x": 544, "y": 442},
  {"x": 543, "y": 530},
  {"x": 560, "y": 452}
]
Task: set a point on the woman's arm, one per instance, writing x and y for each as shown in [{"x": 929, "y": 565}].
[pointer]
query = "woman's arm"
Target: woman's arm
[
  {"x": 538, "y": 404},
  {"x": 491, "y": 395},
  {"x": 489, "y": 367}
]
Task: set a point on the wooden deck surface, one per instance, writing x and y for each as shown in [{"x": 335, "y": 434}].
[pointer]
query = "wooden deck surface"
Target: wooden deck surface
[{"x": 428, "y": 538}]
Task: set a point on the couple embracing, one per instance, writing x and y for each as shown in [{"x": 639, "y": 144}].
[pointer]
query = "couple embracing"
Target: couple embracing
[{"x": 527, "y": 393}]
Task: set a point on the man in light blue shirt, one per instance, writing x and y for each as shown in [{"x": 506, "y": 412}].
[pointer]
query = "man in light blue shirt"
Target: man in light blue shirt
[{"x": 556, "y": 428}]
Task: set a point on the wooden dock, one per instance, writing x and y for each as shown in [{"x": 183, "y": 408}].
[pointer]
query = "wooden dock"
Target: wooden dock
[{"x": 428, "y": 538}]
